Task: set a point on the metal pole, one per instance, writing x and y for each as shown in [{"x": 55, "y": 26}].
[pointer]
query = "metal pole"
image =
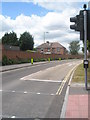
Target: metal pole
[
  {"x": 85, "y": 44},
  {"x": 44, "y": 37},
  {"x": 89, "y": 5}
]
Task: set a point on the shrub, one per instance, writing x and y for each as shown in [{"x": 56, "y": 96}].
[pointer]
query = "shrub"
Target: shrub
[{"x": 5, "y": 60}]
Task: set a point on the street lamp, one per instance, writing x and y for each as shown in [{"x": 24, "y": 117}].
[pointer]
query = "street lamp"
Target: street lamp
[{"x": 44, "y": 35}]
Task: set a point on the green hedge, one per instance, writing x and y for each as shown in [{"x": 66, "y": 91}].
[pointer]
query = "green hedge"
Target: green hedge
[{"x": 6, "y": 61}]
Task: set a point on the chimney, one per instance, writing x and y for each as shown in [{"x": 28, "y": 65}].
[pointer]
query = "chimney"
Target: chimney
[{"x": 47, "y": 42}]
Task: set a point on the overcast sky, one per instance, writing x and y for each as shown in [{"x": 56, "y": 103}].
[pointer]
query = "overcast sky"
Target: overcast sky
[{"x": 39, "y": 17}]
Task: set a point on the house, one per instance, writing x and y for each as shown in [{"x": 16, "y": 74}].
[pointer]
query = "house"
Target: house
[{"x": 52, "y": 48}]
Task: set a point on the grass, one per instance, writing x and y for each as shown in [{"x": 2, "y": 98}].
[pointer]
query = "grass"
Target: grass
[{"x": 79, "y": 75}]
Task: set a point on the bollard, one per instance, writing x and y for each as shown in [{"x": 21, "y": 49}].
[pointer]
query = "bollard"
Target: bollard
[
  {"x": 49, "y": 59},
  {"x": 59, "y": 59},
  {"x": 31, "y": 60}
]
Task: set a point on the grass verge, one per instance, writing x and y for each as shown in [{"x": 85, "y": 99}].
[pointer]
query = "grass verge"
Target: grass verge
[{"x": 79, "y": 75}]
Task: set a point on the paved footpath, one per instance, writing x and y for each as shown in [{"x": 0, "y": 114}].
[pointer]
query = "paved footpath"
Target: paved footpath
[
  {"x": 78, "y": 105},
  {"x": 17, "y": 66}
]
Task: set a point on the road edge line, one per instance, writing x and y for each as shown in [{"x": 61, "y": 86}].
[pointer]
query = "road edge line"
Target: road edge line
[
  {"x": 63, "y": 111},
  {"x": 65, "y": 80}
]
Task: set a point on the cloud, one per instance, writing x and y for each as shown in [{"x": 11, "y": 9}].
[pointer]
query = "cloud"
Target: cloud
[
  {"x": 56, "y": 22},
  {"x": 5, "y": 23}
]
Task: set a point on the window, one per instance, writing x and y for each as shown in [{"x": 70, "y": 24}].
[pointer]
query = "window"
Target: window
[
  {"x": 48, "y": 49},
  {"x": 41, "y": 49},
  {"x": 58, "y": 49},
  {"x": 53, "y": 50}
]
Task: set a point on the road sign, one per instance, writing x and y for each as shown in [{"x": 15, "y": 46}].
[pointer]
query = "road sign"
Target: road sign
[{"x": 86, "y": 63}]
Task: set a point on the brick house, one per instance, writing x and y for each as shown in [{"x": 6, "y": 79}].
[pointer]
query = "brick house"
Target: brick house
[{"x": 52, "y": 48}]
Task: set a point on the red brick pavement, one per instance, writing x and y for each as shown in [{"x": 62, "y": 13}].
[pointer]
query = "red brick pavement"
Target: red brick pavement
[{"x": 77, "y": 106}]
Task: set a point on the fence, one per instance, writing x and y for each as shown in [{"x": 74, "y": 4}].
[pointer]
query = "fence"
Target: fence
[{"x": 36, "y": 55}]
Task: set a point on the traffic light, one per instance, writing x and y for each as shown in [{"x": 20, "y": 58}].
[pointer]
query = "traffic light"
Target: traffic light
[
  {"x": 76, "y": 20},
  {"x": 79, "y": 24}
]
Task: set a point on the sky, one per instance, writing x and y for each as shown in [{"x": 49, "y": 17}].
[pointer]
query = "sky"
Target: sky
[{"x": 38, "y": 18}]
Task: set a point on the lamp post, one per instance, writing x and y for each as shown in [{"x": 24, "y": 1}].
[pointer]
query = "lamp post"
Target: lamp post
[{"x": 44, "y": 35}]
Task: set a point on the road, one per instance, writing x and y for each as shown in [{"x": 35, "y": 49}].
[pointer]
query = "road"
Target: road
[{"x": 36, "y": 91}]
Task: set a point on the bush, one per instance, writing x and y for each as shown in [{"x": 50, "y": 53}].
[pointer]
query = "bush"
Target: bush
[
  {"x": 5, "y": 60},
  {"x": 39, "y": 60}
]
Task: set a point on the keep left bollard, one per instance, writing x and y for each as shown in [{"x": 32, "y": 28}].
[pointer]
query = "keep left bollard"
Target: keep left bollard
[
  {"x": 59, "y": 59},
  {"x": 31, "y": 60},
  {"x": 49, "y": 59}
]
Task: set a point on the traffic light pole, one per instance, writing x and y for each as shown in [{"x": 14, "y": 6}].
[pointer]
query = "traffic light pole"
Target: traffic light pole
[{"x": 85, "y": 44}]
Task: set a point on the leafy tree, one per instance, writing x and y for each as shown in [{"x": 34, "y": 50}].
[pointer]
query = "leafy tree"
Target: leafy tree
[
  {"x": 74, "y": 47},
  {"x": 35, "y": 49},
  {"x": 26, "y": 41},
  {"x": 88, "y": 45},
  {"x": 10, "y": 39}
]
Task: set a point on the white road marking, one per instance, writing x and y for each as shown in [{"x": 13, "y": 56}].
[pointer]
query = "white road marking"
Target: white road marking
[
  {"x": 13, "y": 91},
  {"x": 39, "y": 80},
  {"x": 13, "y": 117},
  {"x": 25, "y": 92},
  {"x": 36, "y": 76},
  {"x": 52, "y": 94},
  {"x": 0, "y": 90},
  {"x": 38, "y": 93}
]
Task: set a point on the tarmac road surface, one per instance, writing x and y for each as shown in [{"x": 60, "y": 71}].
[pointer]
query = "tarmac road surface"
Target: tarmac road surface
[{"x": 36, "y": 91}]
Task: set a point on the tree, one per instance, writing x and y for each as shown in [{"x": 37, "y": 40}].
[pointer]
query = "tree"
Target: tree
[
  {"x": 88, "y": 46},
  {"x": 10, "y": 39},
  {"x": 74, "y": 47},
  {"x": 26, "y": 41}
]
